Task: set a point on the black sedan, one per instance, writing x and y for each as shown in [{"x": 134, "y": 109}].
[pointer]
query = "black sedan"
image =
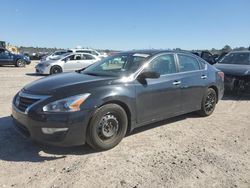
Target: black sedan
[
  {"x": 102, "y": 103},
  {"x": 236, "y": 66}
]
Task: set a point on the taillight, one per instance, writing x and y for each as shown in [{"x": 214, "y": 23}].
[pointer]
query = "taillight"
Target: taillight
[{"x": 222, "y": 75}]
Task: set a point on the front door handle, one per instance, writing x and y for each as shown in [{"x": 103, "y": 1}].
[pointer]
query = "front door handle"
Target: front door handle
[
  {"x": 203, "y": 77},
  {"x": 176, "y": 83}
]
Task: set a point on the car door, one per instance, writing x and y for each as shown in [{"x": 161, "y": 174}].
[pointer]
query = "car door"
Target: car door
[
  {"x": 158, "y": 98},
  {"x": 6, "y": 57},
  {"x": 73, "y": 63},
  {"x": 193, "y": 80}
]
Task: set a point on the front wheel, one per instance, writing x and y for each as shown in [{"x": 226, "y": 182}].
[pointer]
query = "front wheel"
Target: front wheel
[
  {"x": 208, "y": 102},
  {"x": 55, "y": 70},
  {"x": 107, "y": 127},
  {"x": 20, "y": 63}
]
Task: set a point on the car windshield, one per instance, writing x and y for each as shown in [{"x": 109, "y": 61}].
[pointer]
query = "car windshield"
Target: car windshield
[
  {"x": 60, "y": 56},
  {"x": 117, "y": 65},
  {"x": 236, "y": 58}
]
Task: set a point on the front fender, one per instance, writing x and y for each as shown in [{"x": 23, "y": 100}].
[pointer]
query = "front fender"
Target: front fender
[{"x": 123, "y": 95}]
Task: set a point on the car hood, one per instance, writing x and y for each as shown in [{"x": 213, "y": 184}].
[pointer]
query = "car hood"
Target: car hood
[
  {"x": 233, "y": 69},
  {"x": 19, "y": 56},
  {"x": 64, "y": 82},
  {"x": 47, "y": 61},
  {"x": 53, "y": 58}
]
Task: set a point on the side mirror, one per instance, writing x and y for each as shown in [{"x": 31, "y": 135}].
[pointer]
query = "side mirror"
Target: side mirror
[
  {"x": 66, "y": 59},
  {"x": 149, "y": 74}
]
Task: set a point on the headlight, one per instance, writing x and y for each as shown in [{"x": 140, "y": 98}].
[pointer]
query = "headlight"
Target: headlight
[
  {"x": 26, "y": 58},
  {"x": 70, "y": 104},
  {"x": 17, "y": 100}
]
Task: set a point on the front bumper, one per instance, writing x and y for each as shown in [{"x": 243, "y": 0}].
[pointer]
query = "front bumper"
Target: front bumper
[
  {"x": 42, "y": 70},
  {"x": 237, "y": 83},
  {"x": 27, "y": 62},
  {"x": 31, "y": 126}
]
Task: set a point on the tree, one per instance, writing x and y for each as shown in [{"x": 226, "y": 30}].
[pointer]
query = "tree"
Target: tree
[{"x": 226, "y": 49}]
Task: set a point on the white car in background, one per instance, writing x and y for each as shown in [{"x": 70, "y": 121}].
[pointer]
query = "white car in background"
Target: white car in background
[
  {"x": 66, "y": 63},
  {"x": 54, "y": 54},
  {"x": 89, "y": 51}
]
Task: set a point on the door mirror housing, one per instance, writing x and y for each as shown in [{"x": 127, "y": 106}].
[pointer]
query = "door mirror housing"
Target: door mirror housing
[
  {"x": 149, "y": 74},
  {"x": 66, "y": 59}
]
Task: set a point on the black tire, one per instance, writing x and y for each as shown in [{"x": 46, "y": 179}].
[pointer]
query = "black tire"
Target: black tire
[
  {"x": 208, "y": 102},
  {"x": 55, "y": 69},
  {"x": 107, "y": 127},
  {"x": 20, "y": 63}
]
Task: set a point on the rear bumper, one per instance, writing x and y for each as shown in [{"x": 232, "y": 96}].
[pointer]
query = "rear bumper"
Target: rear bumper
[{"x": 31, "y": 127}]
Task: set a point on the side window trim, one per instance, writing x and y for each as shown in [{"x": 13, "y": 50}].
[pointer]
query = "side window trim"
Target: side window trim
[{"x": 204, "y": 62}]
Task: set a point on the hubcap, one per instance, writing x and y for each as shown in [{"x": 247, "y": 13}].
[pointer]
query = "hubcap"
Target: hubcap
[
  {"x": 210, "y": 102},
  {"x": 56, "y": 70},
  {"x": 108, "y": 126},
  {"x": 20, "y": 62}
]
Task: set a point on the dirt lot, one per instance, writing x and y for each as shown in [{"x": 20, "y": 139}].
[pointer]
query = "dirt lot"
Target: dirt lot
[{"x": 187, "y": 151}]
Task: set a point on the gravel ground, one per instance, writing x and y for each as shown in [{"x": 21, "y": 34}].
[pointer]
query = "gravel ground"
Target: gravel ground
[{"x": 187, "y": 151}]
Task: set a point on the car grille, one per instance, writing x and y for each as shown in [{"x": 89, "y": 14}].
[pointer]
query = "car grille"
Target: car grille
[{"x": 24, "y": 103}]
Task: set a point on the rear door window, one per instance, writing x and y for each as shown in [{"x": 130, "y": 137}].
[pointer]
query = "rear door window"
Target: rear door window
[
  {"x": 188, "y": 63},
  {"x": 202, "y": 64},
  {"x": 88, "y": 57},
  {"x": 164, "y": 64}
]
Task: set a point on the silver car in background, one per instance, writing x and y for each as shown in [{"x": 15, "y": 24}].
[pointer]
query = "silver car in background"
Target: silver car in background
[{"x": 66, "y": 63}]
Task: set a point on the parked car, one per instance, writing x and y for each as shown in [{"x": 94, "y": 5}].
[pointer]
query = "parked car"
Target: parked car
[
  {"x": 236, "y": 66},
  {"x": 9, "y": 58},
  {"x": 103, "y": 102},
  {"x": 89, "y": 51},
  {"x": 217, "y": 59},
  {"x": 54, "y": 54},
  {"x": 207, "y": 56},
  {"x": 65, "y": 63}
]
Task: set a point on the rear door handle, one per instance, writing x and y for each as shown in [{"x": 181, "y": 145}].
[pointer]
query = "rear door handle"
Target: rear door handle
[
  {"x": 203, "y": 77},
  {"x": 176, "y": 83}
]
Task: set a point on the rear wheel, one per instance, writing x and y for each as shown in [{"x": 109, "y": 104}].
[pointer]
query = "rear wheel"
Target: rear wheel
[
  {"x": 208, "y": 102},
  {"x": 107, "y": 127},
  {"x": 20, "y": 63},
  {"x": 55, "y": 70}
]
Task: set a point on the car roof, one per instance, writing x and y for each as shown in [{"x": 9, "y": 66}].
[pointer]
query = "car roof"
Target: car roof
[
  {"x": 153, "y": 52},
  {"x": 244, "y": 51},
  {"x": 79, "y": 53},
  {"x": 86, "y": 49}
]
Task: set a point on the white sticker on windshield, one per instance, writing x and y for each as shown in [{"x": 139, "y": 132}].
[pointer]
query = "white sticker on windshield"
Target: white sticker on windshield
[{"x": 141, "y": 55}]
